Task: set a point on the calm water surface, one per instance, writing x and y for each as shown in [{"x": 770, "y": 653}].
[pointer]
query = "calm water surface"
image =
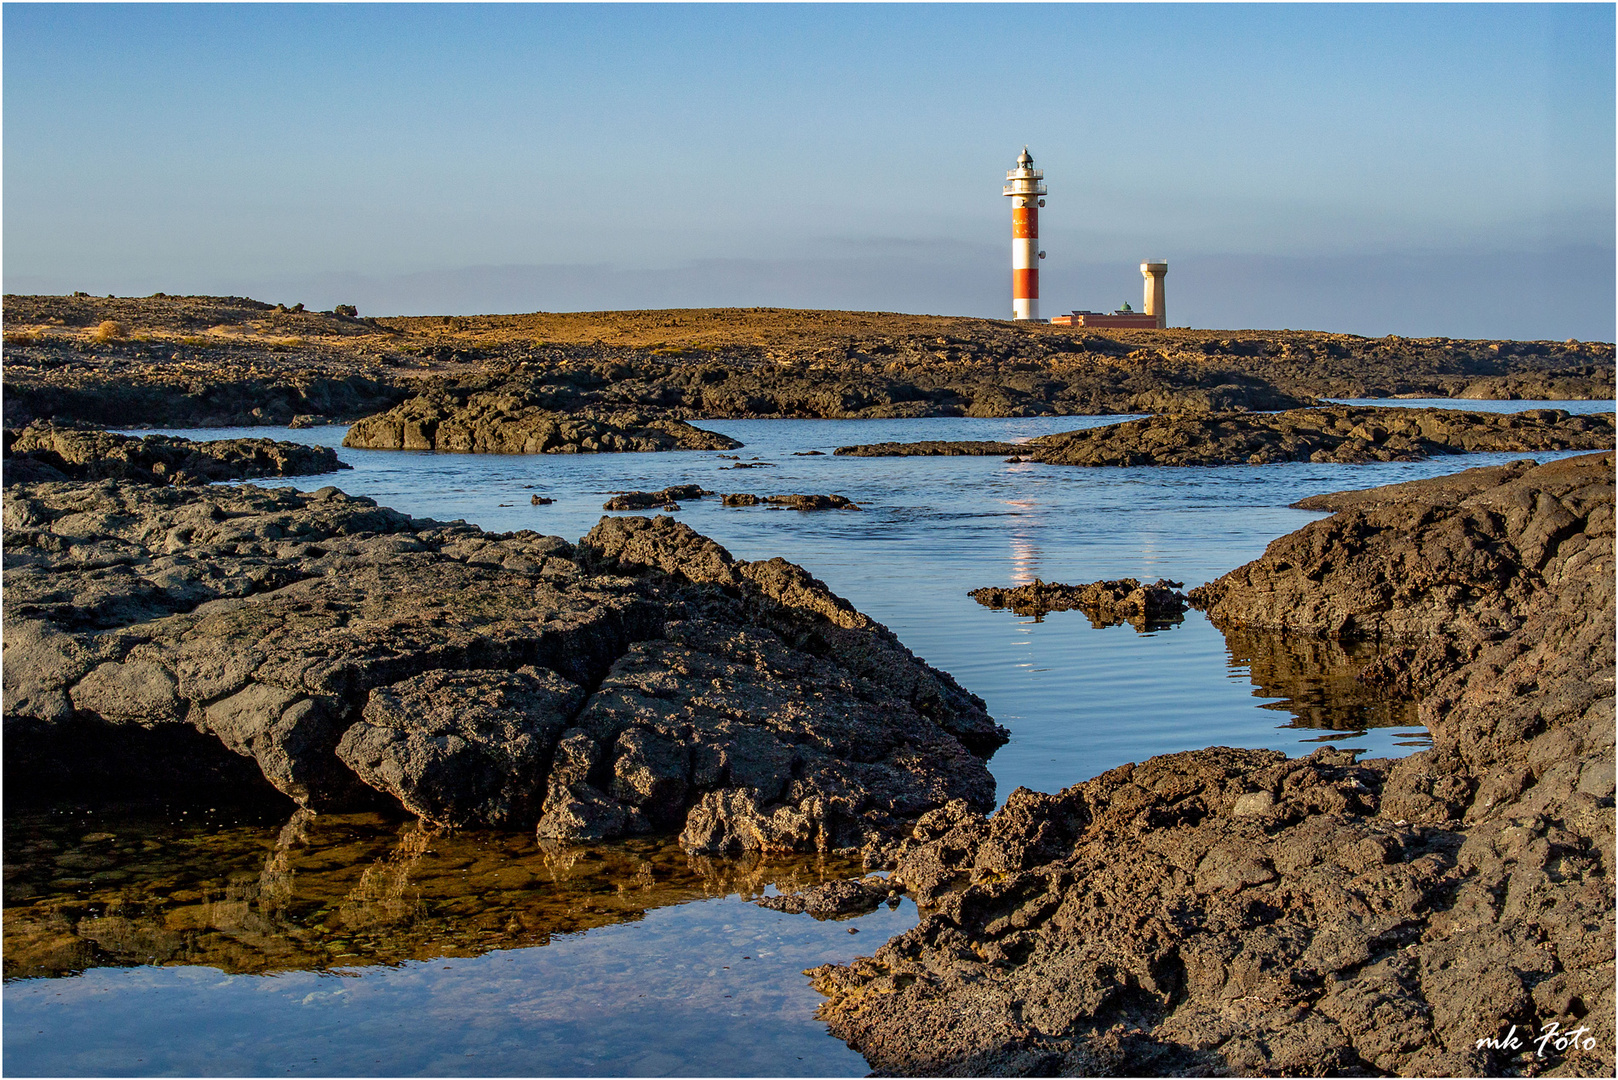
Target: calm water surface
[
  {"x": 351, "y": 945},
  {"x": 238, "y": 942}
]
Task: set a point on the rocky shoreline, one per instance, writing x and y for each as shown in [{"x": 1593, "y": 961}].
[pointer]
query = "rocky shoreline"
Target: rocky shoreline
[
  {"x": 505, "y": 421},
  {"x": 1339, "y": 433},
  {"x": 641, "y": 681},
  {"x": 1220, "y": 911},
  {"x": 46, "y": 450},
  {"x": 216, "y": 361},
  {"x": 1233, "y": 911}
]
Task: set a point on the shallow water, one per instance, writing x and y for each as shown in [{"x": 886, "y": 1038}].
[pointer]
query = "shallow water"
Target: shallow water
[
  {"x": 333, "y": 942},
  {"x": 711, "y": 988},
  {"x": 354, "y": 945}
]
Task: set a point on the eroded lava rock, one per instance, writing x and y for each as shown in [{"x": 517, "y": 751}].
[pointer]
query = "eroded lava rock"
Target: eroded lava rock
[
  {"x": 794, "y": 502},
  {"x": 1340, "y": 433},
  {"x": 668, "y": 498},
  {"x": 49, "y": 450},
  {"x": 1233, "y": 911},
  {"x": 641, "y": 681},
  {"x": 209, "y": 361},
  {"x": 509, "y": 420},
  {"x": 1106, "y": 603},
  {"x": 839, "y": 899}
]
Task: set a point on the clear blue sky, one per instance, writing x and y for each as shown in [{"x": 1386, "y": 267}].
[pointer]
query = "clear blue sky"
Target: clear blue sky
[{"x": 1373, "y": 168}]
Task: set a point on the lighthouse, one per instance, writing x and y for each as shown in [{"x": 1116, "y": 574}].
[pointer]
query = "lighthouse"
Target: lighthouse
[{"x": 1024, "y": 186}]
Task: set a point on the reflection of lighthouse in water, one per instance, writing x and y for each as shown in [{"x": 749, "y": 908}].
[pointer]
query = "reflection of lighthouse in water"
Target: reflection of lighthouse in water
[{"x": 1025, "y": 552}]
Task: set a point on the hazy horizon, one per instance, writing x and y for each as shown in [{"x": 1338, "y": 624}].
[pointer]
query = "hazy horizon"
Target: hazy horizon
[{"x": 1421, "y": 170}]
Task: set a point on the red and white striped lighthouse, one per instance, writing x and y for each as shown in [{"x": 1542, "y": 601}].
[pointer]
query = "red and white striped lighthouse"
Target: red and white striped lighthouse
[{"x": 1024, "y": 186}]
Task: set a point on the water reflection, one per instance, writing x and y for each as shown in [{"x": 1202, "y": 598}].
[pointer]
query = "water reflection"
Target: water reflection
[
  {"x": 1025, "y": 552},
  {"x": 231, "y": 890},
  {"x": 1317, "y": 680}
]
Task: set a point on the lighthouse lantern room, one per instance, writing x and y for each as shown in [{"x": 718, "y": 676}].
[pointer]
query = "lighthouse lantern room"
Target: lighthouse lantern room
[{"x": 1024, "y": 186}]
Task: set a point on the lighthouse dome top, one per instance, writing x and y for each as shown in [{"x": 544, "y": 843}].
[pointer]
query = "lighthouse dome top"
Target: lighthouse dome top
[{"x": 1025, "y": 179}]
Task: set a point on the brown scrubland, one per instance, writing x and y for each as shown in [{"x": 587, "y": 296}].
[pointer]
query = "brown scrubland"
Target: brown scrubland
[{"x": 208, "y": 361}]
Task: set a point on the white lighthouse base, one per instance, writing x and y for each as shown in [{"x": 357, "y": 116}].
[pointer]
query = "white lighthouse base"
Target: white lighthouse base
[{"x": 1025, "y": 309}]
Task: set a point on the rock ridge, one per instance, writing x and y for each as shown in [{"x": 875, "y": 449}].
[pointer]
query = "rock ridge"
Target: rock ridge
[
  {"x": 507, "y": 421},
  {"x": 1340, "y": 433},
  {"x": 47, "y": 450}
]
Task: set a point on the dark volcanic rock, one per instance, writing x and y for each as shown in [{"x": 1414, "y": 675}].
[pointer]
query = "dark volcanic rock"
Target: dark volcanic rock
[
  {"x": 509, "y": 421},
  {"x": 812, "y": 502},
  {"x": 162, "y": 368},
  {"x": 796, "y": 502},
  {"x": 1443, "y": 491},
  {"x": 1232, "y": 911},
  {"x": 1539, "y": 386},
  {"x": 1340, "y": 433},
  {"x": 1106, "y": 603},
  {"x": 834, "y": 899},
  {"x": 1459, "y": 558},
  {"x": 228, "y": 360},
  {"x": 45, "y": 450},
  {"x": 463, "y": 746},
  {"x": 800, "y": 376},
  {"x": 644, "y": 681},
  {"x": 930, "y": 448},
  {"x": 642, "y": 500}
]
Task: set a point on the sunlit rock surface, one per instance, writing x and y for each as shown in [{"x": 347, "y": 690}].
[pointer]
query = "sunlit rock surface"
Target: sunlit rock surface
[
  {"x": 512, "y": 420},
  {"x": 641, "y": 681},
  {"x": 51, "y": 450},
  {"x": 207, "y": 360}
]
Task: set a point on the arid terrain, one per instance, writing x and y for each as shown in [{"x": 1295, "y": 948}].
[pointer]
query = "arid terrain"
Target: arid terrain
[{"x": 211, "y": 361}]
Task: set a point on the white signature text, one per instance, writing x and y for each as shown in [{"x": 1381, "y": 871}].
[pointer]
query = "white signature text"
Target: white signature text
[{"x": 1552, "y": 1037}]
